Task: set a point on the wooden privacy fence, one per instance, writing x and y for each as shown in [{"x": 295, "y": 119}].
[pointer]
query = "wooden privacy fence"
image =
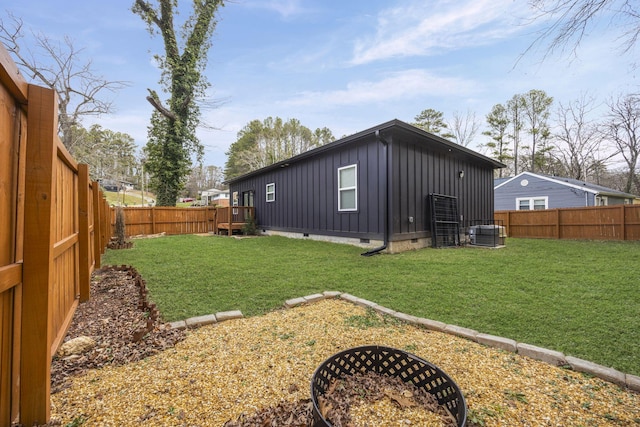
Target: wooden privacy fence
[
  {"x": 54, "y": 224},
  {"x": 170, "y": 220},
  {"x": 618, "y": 222}
]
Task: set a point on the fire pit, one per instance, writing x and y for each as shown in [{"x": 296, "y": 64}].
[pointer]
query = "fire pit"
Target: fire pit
[{"x": 391, "y": 362}]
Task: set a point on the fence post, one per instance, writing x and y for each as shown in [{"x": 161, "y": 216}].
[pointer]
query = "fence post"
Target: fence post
[
  {"x": 558, "y": 224},
  {"x": 106, "y": 224},
  {"x": 623, "y": 223},
  {"x": 97, "y": 225},
  {"x": 35, "y": 369},
  {"x": 84, "y": 234},
  {"x": 153, "y": 220},
  {"x": 508, "y": 224}
]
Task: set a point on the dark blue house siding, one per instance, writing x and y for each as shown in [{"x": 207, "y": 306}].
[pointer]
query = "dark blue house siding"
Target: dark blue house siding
[
  {"x": 420, "y": 169},
  {"x": 398, "y": 167},
  {"x": 306, "y": 194}
]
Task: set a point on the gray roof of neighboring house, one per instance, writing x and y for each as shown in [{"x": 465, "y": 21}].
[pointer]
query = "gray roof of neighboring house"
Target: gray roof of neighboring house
[
  {"x": 498, "y": 181},
  {"x": 569, "y": 182}
]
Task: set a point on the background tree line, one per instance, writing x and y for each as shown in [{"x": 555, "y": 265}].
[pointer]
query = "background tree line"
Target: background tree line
[
  {"x": 526, "y": 132},
  {"x": 263, "y": 143}
]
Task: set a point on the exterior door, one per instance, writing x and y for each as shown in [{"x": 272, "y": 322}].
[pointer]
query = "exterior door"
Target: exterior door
[{"x": 247, "y": 198}]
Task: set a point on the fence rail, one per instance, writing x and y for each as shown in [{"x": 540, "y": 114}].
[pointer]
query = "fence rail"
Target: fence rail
[
  {"x": 171, "y": 220},
  {"x": 618, "y": 222},
  {"x": 53, "y": 226}
]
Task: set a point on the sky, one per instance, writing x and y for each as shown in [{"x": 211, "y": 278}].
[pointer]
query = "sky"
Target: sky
[{"x": 344, "y": 65}]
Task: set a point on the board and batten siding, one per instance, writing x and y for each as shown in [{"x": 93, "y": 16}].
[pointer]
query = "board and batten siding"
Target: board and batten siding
[
  {"x": 398, "y": 166},
  {"x": 419, "y": 169},
  {"x": 306, "y": 195}
]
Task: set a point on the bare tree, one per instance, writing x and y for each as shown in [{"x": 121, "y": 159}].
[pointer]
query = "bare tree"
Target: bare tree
[
  {"x": 214, "y": 177},
  {"x": 464, "y": 127},
  {"x": 579, "y": 142},
  {"x": 623, "y": 129},
  {"x": 60, "y": 67},
  {"x": 570, "y": 20},
  {"x": 203, "y": 178}
]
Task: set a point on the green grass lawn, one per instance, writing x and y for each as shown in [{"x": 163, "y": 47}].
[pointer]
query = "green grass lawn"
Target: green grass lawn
[
  {"x": 131, "y": 198},
  {"x": 578, "y": 297}
]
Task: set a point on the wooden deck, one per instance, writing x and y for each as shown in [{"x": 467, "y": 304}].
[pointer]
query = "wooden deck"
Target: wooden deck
[
  {"x": 233, "y": 218},
  {"x": 225, "y": 226}
]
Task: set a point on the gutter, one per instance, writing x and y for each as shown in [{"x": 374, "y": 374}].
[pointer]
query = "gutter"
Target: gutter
[{"x": 385, "y": 153}]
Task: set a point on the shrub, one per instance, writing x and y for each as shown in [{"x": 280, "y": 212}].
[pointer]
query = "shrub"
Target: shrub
[{"x": 249, "y": 228}]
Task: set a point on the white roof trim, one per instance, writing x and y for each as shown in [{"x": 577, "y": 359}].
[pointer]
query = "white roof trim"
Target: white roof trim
[{"x": 546, "y": 178}]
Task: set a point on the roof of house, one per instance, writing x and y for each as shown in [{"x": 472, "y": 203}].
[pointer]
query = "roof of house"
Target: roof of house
[
  {"x": 213, "y": 191},
  {"x": 568, "y": 182},
  {"x": 435, "y": 139}
]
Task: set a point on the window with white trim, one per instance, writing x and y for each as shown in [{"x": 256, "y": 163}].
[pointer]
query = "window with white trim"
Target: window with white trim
[
  {"x": 271, "y": 192},
  {"x": 532, "y": 203},
  {"x": 348, "y": 188}
]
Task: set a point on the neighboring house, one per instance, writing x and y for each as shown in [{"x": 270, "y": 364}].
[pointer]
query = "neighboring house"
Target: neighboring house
[
  {"x": 531, "y": 191},
  {"x": 214, "y": 197},
  {"x": 115, "y": 185},
  {"x": 371, "y": 189}
]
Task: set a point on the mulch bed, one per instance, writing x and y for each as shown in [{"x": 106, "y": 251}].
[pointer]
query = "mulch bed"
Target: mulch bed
[{"x": 119, "y": 317}]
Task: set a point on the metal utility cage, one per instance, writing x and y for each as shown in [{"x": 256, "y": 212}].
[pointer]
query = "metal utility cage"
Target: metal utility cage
[{"x": 445, "y": 221}]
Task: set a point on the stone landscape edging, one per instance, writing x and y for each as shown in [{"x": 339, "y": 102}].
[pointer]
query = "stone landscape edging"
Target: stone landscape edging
[{"x": 552, "y": 357}]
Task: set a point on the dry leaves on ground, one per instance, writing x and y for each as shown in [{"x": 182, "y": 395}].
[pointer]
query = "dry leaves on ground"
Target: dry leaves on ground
[
  {"x": 115, "y": 317},
  {"x": 234, "y": 369}
]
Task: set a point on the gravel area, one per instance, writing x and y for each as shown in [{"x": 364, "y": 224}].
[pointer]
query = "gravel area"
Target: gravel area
[{"x": 231, "y": 370}]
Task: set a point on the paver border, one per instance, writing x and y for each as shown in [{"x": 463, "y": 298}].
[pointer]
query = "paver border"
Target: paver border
[{"x": 552, "y": 357}]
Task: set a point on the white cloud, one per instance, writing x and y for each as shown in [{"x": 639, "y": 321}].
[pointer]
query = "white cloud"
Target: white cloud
[
  {"x": 416, "y": 30},
  {"x": 286, "y": 8},
  {"x": 398, "y": 85}
]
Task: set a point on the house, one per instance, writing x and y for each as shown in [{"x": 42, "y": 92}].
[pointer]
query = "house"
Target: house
[
  {"x": 376, "y": 189},
  {"x": 115, "y": 185},
  {"x": 214, "y": 197},
  {"x": 530, "y": 191}
]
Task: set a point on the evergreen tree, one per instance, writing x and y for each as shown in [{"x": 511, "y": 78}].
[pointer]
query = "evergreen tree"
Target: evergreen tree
[
  {"x": 261, "y": 144},
  {"x": 498, "y": 122},
  {"x": 432, "y": 121}
]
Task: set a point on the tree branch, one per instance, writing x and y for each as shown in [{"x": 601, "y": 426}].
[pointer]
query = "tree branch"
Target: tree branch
[{"x": 157, "y": 104}]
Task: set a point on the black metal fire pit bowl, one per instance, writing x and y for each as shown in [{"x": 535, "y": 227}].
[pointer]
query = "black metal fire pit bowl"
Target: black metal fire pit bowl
[{"x": 394, "y": 363}]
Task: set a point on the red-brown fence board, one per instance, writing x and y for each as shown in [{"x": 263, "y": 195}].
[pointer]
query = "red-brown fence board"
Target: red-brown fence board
[
  {"x": 12, "y": 137},
  {"x": 632, "y": 224},
  {"x": 48, "y": 229},
  {"x": 171, "y": 220},
  {"x": 618, "y": 222}
]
